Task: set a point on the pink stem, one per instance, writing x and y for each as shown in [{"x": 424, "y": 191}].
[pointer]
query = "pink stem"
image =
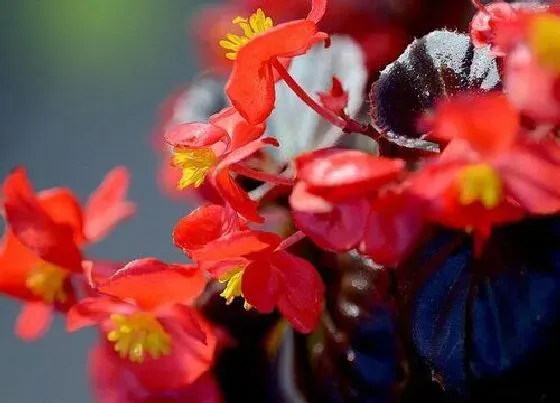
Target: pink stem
[
  {"x": 292, "y": 239},
  {"x": 261, "y": 176},
  {"x": 347, "y": 124}
]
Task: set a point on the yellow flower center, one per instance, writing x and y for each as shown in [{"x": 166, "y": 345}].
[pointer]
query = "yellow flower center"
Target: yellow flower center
[
  {"x": 233, "y": 286},
  {"x": 47, "y": 281},
  {"x": 195, "y": 163},
  {"x": 480, "y": 183},
  {"x": 257, "y": 23},
  {"x": 544, "y": 38},
  {"x": 137, "y": 335}
]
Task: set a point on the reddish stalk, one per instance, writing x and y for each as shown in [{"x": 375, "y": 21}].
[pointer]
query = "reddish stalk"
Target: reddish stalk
[
  {"x": 292, "y": 239},
  {"x": 480, "y": 6},
  {"x": 261, "y": 176},
  {"x": 346, "y": 124}
]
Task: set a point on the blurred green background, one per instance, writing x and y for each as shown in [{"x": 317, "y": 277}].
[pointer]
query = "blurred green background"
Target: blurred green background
[{"x": 80, "y": 85}]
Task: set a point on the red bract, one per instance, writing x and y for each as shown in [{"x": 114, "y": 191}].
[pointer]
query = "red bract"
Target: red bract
[
  {"x": 336, "y": 99},
  {"x": 42, "y": 245},
  {"x": 143, "y": 311},
  {"x": 255, "y": 265},
  {"x": 489, "y": 173},
  {"x": 217, "y": 147},
  {"x": 330, "y": 201},
  {"x": 251, "y": 83}
]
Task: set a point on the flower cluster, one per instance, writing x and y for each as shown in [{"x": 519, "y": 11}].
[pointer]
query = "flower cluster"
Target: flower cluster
[{"x": 426, "y": 211}]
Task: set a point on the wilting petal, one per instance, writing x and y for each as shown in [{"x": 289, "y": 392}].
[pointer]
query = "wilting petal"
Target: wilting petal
[
  {"x": 34, "y": 320},
  {"x": 108, "y": 205},
  {"x": 152, "y": 283}
]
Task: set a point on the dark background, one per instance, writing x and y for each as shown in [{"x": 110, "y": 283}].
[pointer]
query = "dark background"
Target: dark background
[{"x": 80, "y": 85}]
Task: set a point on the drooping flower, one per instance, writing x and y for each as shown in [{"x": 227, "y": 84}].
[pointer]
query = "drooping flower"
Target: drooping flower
[
  {"x": 144, "y": 313},
  {"x": 42, "y": 246},
  {"x": 251, "y": 83},
  {"x": 216, "y": 148},
  {"x": 331, "y": 198},
  {"x": 490, "y": 173}
]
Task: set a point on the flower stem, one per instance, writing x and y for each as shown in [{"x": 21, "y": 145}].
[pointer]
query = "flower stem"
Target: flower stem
[
  {"x": 480, "y": 6},
  {"x": 261, "y": 176},
  {"x": 347, "y": 124},
  {"x": 292, "y": 239}
]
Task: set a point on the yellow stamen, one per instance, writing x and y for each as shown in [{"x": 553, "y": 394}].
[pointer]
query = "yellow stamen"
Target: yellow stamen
[
  {"x": 233, "y": 286},
  {"x": 47, "y": 281},
  {"x": 480, "y": 183},
  {"x": 257, "y": 23},
  {"x": 195, "y": 162},
  {"x": 138, "y": 335},
  {"x": 544, "y": 38}
]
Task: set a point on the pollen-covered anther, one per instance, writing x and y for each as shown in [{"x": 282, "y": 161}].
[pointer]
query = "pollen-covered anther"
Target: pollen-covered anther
[
  {"x": 138, "y": 335},
  {"x": 195, "y": 164},
  {"x": 257, "y": 23},
  {"x": 47, "y": 282},
  {"x": 480, "y": 183},
  {"x": 233, "y": 286},
  {"x": 544, "y": 39}
]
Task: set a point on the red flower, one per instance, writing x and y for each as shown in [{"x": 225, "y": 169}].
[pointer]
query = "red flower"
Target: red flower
[
  {"x": 489, "y": 173},
  {"x": 336, "y": 99},
  {"x": 255, "y": 265},
  {"x": 251, "y": 83},
  {"x": 331, "y": 199},
  {"x": 143, "y": 311},
  {"x": 217, "y": 147},
  {"x": 41, "y": 248}
]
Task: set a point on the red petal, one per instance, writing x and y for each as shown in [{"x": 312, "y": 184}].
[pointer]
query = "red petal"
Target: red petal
[
  {"x": 318, "y": 8},
  {"x": 393, "y": 227},
  {"x": 228, "y": 188},
  {"x": 97, "y": 272},
  {"x": 94, "y": 311},
  {"x": 34, "y": 320},
  {"x": 301, "y": 296},
  {"x": 35, "y": 228},
  {"x": 222, "y": 267},
  {"x": 303, "y": 201},
  {"x": 336, "y": 99},
  {"x": 63, "y": 207},
  {"x": 195, "y": 135},
  {"x": 183, "y": 321},
  {"x": 488, "y": 122},
  {"x": 16, "y": 261},
  {"x": 152, "y": 283},
  {"x": 339, "y": 230},
  {"x": 201, "y": 226},
  {"x": 251, "y": 83},
  {"x": 338, "y": 175},
  {"x": 260, "y": 286},
  {"x": 238, "y": 244},
  {"x": 240, "y": 131},
  {"x": 108, "y": 205}
]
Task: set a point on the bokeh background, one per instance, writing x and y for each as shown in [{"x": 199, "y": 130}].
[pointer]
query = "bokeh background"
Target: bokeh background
[{"x": 80, "y": 85}]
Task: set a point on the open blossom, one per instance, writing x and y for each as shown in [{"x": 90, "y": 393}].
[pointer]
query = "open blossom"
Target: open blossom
[
  {"x": 42, "y": 246},
  {"x": 331, "y": 198},
  {"x": 490, "y": 172},
  {"x": 145, "y": 315},
  {"x": 251, "y": 84},
  {"x": 252, "y": 264},
  {"x": 215, "y": 149}
]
